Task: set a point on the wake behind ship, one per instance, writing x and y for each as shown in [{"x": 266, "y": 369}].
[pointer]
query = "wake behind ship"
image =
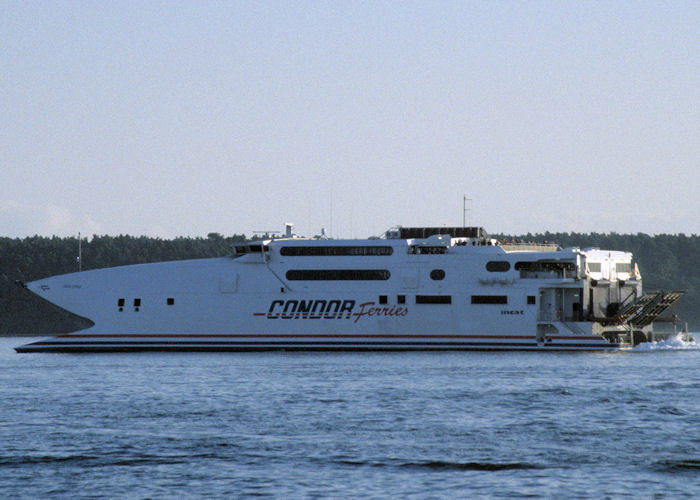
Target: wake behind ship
[{"x": 416, "y": 288}]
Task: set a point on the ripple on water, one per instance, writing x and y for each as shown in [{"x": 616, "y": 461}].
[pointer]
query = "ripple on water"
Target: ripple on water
[{"x": 343, "y": 425}]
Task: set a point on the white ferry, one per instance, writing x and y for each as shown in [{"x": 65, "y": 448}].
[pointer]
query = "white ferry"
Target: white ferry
[{"x": 416, "y": 288}]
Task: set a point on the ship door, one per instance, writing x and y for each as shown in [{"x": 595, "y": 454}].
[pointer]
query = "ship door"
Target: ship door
[
  {"x": 551, "y": 304},
  {"x": 561, "y": 304}
]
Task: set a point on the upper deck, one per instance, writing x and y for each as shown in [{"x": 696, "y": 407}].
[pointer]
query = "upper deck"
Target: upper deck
[{"x": 416, "y": 240}]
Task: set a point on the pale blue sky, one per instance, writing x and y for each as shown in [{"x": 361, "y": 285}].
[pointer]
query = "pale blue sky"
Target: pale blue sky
[{"x": 184, "y": 118}]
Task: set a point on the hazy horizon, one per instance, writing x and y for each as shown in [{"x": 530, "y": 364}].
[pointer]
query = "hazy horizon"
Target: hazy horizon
[{"x": 177, "y": 118}]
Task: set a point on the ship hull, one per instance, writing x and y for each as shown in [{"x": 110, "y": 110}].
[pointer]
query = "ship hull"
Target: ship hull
[{"x": 243, "y": 343}]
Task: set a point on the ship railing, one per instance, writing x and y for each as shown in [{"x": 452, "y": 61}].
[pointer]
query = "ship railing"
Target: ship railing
[{"x": 515, "y": 246}]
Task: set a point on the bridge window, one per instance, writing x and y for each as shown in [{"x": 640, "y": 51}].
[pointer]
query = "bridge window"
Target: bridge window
[{"x": 254, "y": 248}]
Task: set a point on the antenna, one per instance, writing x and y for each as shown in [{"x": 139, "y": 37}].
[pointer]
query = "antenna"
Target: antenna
[
  {"x": 465, "y": 210},
  {"x": 80, "y": 253},
  {"x": 331, "y": 214}
]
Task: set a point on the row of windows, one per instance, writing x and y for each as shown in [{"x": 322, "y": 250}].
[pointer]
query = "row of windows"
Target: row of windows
[
  {"x": 447, "y": 299},
  {"x": 335, "y": 251},
  {"x": 338, "y": 274},
  {"x": 401, "y": 299},
  {"x": 620, "y": 267},
  {"x": 439, "y": 274},
  {"x": 137, "y": 303},
  {"x": 544, "y": 266},
  {"x": 493, "y": 266},
  {"x": 435, "y": 274},
  {"x": 501, "y": 266},
  {"x": 349, "y": 274}
]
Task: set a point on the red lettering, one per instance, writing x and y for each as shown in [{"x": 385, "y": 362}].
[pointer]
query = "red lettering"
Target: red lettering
[{"x": 362, "y": 312}]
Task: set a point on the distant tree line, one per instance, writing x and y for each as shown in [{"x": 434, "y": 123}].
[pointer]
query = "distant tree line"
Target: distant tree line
[
  {"x": 667, "y": 262},
  {"x": 36, "y": 257}
]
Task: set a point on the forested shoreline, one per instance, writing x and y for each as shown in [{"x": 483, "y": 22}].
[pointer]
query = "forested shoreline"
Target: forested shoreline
[{"x": 667, "y": 262}]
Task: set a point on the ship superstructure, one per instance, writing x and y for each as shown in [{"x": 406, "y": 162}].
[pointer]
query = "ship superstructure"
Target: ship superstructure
[{"x": 414, "y": 288}]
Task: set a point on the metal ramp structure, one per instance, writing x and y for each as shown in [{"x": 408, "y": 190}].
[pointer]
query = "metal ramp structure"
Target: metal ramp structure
[
  {"x": 633, "y": 309},
  {"x": 649, "y": 307}
]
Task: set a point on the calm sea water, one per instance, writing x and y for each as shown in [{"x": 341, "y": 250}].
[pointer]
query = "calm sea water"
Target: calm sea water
[{"x": 415, "y": 425}]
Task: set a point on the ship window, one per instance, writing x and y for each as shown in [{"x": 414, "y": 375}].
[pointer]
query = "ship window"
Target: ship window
[
  {"x": 423, "y": 250},
  {"x": 338, "y": 274},
  {"x": 253, "y": 248},
  {"x": 594, "y": 267},
  {"x": 383, "y": 299},
  {"x": 137, "y": 302},
  {"x": 401, "y": 299},
  {"x": 433, "y": 299},
  {"x": 489, "y": 299},
  {"x": 623, "y": 267},
  {"x": 531, "y": 299},
  {"x": 548, "y": 266},
  {"x": 301, "y": 251},
  {"x": 498, "y": 266},
  {"x": 120, "y": 302},
  {"x": 437, "y": 274},
  {"x": 171, "y": 301}
]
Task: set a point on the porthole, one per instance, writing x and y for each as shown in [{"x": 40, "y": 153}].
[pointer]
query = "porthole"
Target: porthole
[{"x": 437, "y": 274}]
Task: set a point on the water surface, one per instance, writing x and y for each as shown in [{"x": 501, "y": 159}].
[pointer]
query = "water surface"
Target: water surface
[{"x": 414, "y": 424}]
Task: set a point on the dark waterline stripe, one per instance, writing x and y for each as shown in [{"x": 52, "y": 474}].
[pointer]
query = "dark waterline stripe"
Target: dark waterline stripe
[{"x": 107, "y": 346}]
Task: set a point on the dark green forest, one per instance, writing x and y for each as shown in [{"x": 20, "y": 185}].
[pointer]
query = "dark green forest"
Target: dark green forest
[{"x": 667, "y": 262}]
